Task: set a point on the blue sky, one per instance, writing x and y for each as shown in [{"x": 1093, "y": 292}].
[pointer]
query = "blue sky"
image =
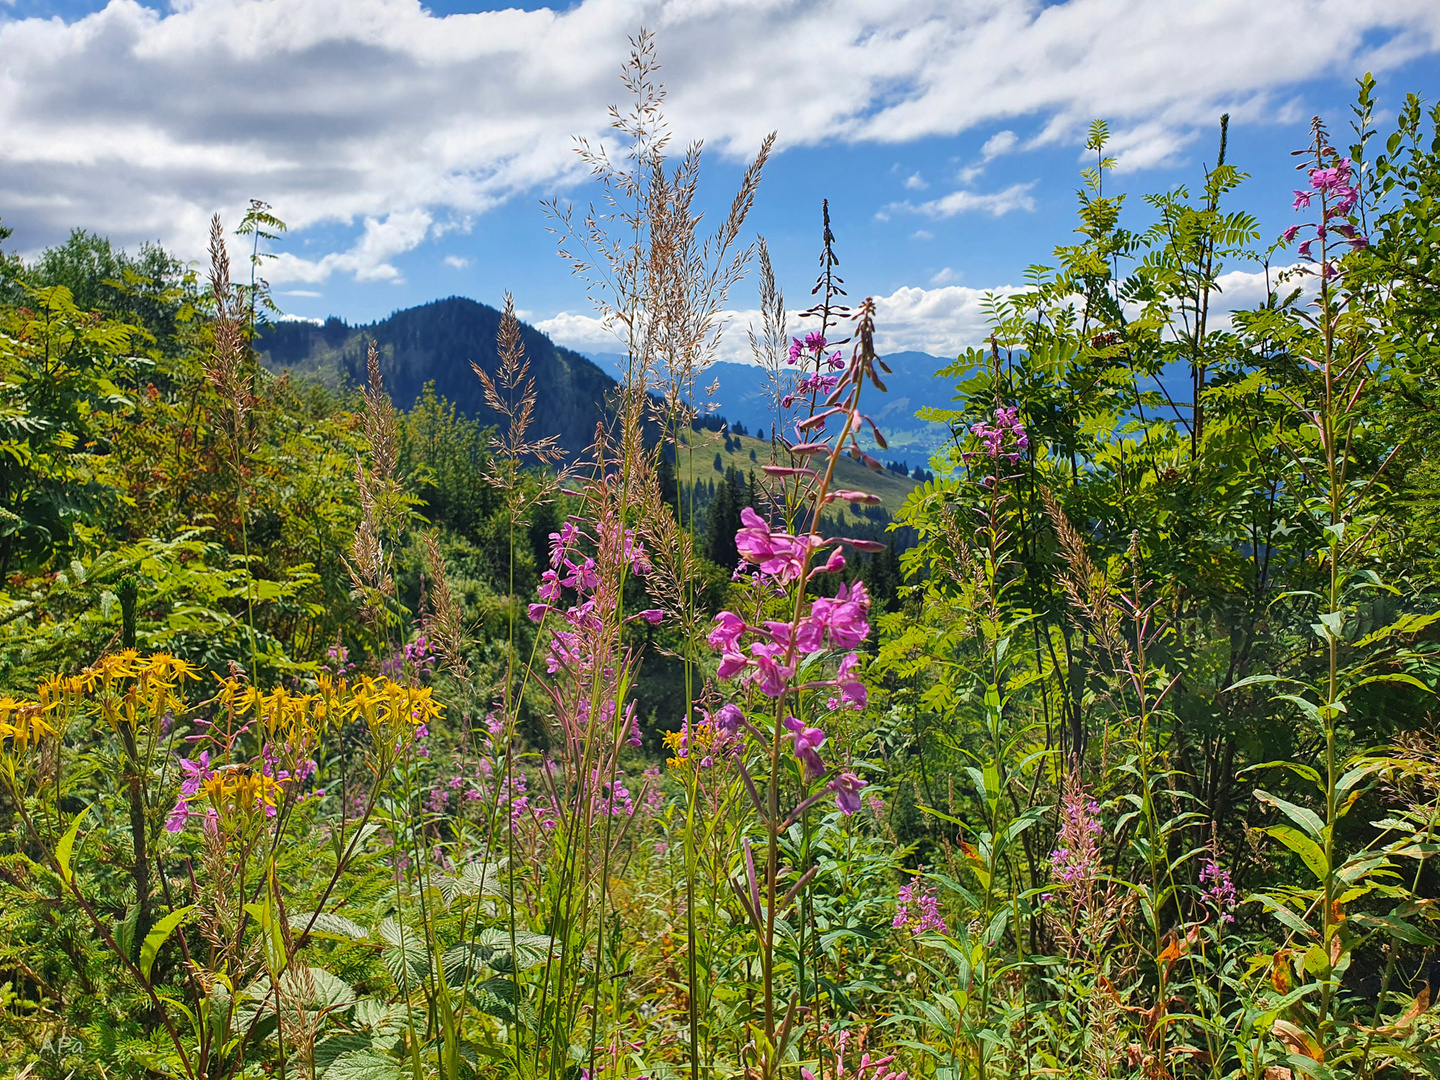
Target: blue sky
[{"x": 410, "y": 149}]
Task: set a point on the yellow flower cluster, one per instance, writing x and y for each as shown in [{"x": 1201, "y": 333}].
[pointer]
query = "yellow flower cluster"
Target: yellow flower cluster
[
  {"x": 22, "y": 722},
  {"x": 382, "y": 703},
  {"x": 240, "y": 792},
  {"x": 390, "y": 710},
  {"x": 697, "y": 746},
  {"x": 131, "y": 688}
]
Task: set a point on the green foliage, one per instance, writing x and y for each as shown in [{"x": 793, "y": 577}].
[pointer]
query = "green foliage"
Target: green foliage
[{"x": 1150, "y": 717}]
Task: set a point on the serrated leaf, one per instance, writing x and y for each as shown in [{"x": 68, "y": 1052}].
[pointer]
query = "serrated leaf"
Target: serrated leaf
[
  {"x": 497, "y": 997},
  {"x": 332, "y": 993},
  {"x": 404, "y": 957},
  {"x": 364, "y": 1065},
  {"x": 328, "y": 925},
  {"x": 329, "y": 1050},
  {"x": 157, "y": 936}
]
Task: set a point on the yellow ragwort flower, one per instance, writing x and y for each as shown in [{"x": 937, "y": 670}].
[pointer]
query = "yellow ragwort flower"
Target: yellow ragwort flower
[{"x": 22, "y": 722}]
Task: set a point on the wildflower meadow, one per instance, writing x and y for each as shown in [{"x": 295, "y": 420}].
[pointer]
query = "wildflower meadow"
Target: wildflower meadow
[{"x": 349, "y": 738}]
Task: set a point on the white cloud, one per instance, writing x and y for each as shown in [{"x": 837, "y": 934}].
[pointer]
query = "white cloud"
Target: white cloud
[
  {"x": 585, "y": 333},
  {"x": 310, "y": 293},
  {"x": 922, "y": 234},
  {"x": 398, "y": 233},
  {"x": 915, "y": 182},
  {"x": 943, "y": 277},
  {"x": 143, "y": 123},
  {"x": 459, "y": 262},
  {"x": 942, "y": 321},
  {"x": 1002, "y": 142},
  {"x": 996, "y": 203}
]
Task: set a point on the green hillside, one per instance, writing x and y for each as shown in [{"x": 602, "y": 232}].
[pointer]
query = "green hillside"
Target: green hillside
[{"x": 892, "y": 488}]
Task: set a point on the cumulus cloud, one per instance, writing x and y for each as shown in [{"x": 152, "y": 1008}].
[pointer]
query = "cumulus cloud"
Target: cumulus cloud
[
  {"x": 459, "y": 262},
  {"x": 143, "y": 122},
  {"x": 995, "y": 203},
  {"x": 942, "y": 321},
  {"x": 1002, "y": 142}
]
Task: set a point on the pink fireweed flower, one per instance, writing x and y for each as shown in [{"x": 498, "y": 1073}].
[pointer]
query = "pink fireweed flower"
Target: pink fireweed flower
[
  {"x": 843, "y": 617},
  {"x": 771, "y": 677},
  {"x": 561, "y": 541},
  {"x": 653, "y": 616},
  {"x": 777, "y": 554},
  {"x": 727, "y": 719},
  {"x": 1217, "y": 889},
  {"x": 847, "y": 787},
  {"x": 918, "y": 911},
  {"x": 808, "y": 741},
  {"x": 727, "y": 632},
  {"x": 731, "y": 665},
  {"x": 852, "y": 690},
  {"x": 1076, "y": 858},
  {"x": 1302, "y": 200},
  {"x": 1006, "y": 437}
]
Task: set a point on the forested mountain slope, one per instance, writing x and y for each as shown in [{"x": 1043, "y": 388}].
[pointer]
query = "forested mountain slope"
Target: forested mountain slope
[{"x": 438, "y": 342}]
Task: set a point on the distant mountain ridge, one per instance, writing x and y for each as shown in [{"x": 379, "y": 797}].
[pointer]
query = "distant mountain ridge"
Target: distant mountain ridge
[
  {"x": 744, "y": 397},
  {"x": 438, "y": 341}
]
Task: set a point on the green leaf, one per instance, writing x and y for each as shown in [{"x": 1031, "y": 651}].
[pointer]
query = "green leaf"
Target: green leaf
[
  {"x": 407, "y": 962},
  {"x": 332, "y": 993},
  {"x": 364, "y": 1065},
  {"x": 1306, "y": 819},
  {"x": 1294, "y": 766},
  {"x": 328, "y": 925},
  {"x": 1303, "y": 846},
  {"x": 65, "y": 849},
  {"x": 1257, "y": 680},
  {"x": 329, "y": 1050},
  {"x": 1396, "y": 677},
  {"x": 158, "y": 935}
]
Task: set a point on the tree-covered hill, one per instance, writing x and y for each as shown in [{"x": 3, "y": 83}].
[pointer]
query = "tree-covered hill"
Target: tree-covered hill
[{"x": 437, "y": 342}]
